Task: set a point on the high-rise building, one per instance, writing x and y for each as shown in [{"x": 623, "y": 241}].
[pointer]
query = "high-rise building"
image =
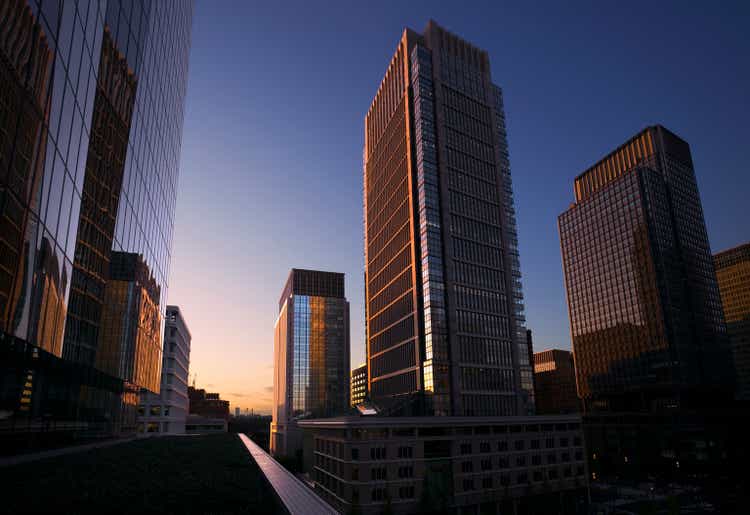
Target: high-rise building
[
  {"x": 733, "y": 274},
  {"x": 311, "y": 355},
  {"x": 90, "y": 133},
  {"x": 166, "y": 412},
  {"x": 646, "y": 320},
  {"x": 555, "y": 382},
  {"x": 444, "y": 308},
  {"x": 358, "y": 384}
]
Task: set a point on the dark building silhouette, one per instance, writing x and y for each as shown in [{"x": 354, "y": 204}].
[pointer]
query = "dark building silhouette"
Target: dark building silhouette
[
  {"x": 733, "y": 274},
  {"x": 444, "y": 307},
  {"x": 555, "y": 382},
  {"x": 207, "y": 405},
  {"x": 646, "y": 320},
  {"x": 311, "y": 355},
  {"x": 88, "y": 167}
]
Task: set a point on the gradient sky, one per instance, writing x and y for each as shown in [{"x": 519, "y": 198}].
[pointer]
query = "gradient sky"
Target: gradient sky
[{"x": 271, "y": 173}]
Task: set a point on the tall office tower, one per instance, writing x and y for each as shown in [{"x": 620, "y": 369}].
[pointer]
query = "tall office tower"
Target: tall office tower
[
  {"x": 555, "y": 382},
  {"x": 91, "y": 114},
  {"x": 167, "y": 411},
  {"x": 733, "y": 274},
  {"x": 444, "y": 308},
  {"x": 646, "y": 320},
  {"x": 358, "y": 385},
  {"x": 311, "y": 355}
]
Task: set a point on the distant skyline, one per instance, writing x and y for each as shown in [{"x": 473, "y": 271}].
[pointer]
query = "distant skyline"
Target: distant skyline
[{"x": 271, "y": 172}]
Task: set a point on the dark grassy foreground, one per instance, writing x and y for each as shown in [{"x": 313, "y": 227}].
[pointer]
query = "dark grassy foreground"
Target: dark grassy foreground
[{"x": 192, "y": 474}]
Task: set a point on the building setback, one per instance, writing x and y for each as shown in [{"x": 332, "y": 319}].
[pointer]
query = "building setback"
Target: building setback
[
  {"x": 646, "y": 320},
  {"x": 359, "y": 384},
  {"x": 444, "y": 307},
  {"x": 88, "y": 169},
  {"x": 311, "y": 355},
  {"x": 555, "y": 382},
  {"x": 167, "y": 411},
  {"x": 733, "y": 274}
]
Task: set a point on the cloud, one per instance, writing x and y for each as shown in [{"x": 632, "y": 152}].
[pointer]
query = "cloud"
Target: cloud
[
  {"x": 268, "y": 389},
  {"x": 238, "y": 395}
]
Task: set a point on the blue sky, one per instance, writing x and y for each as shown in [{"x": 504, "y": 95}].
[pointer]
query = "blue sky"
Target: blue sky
[{"x": 271, "y": 174}]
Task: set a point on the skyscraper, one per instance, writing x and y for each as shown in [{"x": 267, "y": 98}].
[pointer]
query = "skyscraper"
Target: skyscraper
[
  {"x": 646, "y": 319},
  {"x": 733, "y": 274},
  {"x": 92, "y": 112},
  {"x": 444, "y": 307},
  {"x": 166, "y": 412},
  {"x": 311, "y": 355}
]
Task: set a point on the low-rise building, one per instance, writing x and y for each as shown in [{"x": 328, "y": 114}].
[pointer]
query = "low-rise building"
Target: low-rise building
[
  {"x": 368, "y": 464},
  {"x": 208, "y": 405}
]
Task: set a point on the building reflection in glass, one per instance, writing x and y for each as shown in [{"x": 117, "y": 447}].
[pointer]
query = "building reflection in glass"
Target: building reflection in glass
[
  {"x": 88, "y": 165},
  {"x": 311, "y": 354},
  {"x": 645, "y": 320}
]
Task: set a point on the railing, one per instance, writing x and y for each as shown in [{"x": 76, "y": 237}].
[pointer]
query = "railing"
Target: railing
[{"x": 297, "y": 498}]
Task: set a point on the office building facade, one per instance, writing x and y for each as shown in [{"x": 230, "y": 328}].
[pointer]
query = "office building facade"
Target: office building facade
[
  {"x": 444, "y": 307},
  {"x": 400, "y": 465},
  {"x": 733, "y": 275},
  {"x": 555, "y": 382},
  {"x": 646, "y": 320},
  {"x": 358, "y": 385},
  {"x": 311, "y": 355},
  {"x": 92, "y": 113},
  {"x": 167, "y": 411}
]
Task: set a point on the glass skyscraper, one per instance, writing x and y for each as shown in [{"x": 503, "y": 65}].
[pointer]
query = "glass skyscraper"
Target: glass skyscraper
[
  {"x": 91, "y": 114},
  {"x": 444, "y": 305},
  {"x": 311, "y": 355},
  {"x": 646, "y": 318}
]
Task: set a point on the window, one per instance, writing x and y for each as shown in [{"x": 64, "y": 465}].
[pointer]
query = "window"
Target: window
[
  {"x": 155, "y": 411},
  {"x": 484, "y": 447},
  {"x": 377, "y": 453},
  {"x": 468, "y": 485},
  {"x": 487, "y": 482},
  {"x": 355, "y": 474},
  {"x": 467, "y": 466},
  {"x": 378, "y": 473},
  {"x": 534, "y": 444},
  {"x": 536, "y": 459},
  {"x": 405, "y": 452},
  {"x": 521, "y": 461},
  {"x": 406, "y": 492},
  {"x": 378, "y": 494},
  {"x": 465, "y": 448},
  {"x": 486, "y": 464},
  {"x": 502, "y": 445},
  {"x": 355, "y": 454},
  {"x": 550, "y": 443},
  {"x": 519, "y": 445}
]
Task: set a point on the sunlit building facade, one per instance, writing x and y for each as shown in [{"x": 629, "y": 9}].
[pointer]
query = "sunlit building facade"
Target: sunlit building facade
[
  {"x": 166, "y": 412},
  {"x": 91, "y": 114},
  {"x": 646, "y": 320},
  {"x": 733, "y": 274},
  {"x": 358, "y": 385},
  {"x": 311, "y": 355},
  {"x": 444, "y": 306}
]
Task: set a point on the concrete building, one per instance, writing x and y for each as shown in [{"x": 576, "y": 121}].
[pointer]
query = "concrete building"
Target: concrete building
[
  {"x": 206, "y": 404},
  {"x": 374, "y": 465},
  {"x": 555, "y": 382},
  {"x": 311, "y": 355},
  {"x": 167, "y": 411},
  {"x": 733, "y": 274},
  {"x": 358, "y": 384},
  {"x": 444, "y": 304}
]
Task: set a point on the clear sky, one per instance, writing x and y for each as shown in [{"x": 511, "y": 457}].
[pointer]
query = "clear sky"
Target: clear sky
[{"x": 271, "y": 174}]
